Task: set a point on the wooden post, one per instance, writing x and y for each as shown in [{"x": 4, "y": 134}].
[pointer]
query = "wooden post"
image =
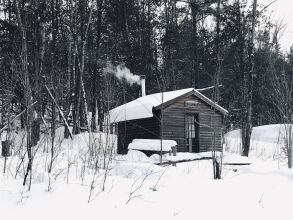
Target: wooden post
[
  {"x": 174, "y": 150},
  {"x": 216, "y": 167}
]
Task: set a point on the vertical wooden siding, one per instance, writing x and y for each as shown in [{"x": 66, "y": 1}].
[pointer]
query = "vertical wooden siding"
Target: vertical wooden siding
[{"x": 174, "y": 123}]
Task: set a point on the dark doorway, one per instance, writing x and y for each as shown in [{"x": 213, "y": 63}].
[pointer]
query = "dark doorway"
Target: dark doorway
[{"x": 192, "y": 132}]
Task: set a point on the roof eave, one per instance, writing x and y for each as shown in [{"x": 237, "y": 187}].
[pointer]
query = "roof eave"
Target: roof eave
[{"x": 166, "y": 104}]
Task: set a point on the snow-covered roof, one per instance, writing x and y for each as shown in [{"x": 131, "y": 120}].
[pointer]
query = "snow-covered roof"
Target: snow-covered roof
[{"x": 142, "y": 107}]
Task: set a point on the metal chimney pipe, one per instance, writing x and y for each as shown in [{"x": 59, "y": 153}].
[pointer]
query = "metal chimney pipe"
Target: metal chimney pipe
[{"x": 142, "y": 82}]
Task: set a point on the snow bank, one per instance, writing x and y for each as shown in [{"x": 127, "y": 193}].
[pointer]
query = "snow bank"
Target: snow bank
[
  {"x": 133, "y": 156},
  {"x": 100, "y": 141},
  {"x": 266, "y": 141},
  {"x": 135, "y": 170},
  {"x": 151, "y": 144},
  {"x": 235, "y": 159}
]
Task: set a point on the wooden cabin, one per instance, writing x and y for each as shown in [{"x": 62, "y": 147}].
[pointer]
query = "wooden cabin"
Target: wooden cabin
[{"x": 186, "y": 116}]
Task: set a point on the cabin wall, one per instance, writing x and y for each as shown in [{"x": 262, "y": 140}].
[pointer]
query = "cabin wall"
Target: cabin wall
[
  {"x": 147, "y": 128},
  {"x": 174, "y": 123},
  {"x": 174, "y": 126}
]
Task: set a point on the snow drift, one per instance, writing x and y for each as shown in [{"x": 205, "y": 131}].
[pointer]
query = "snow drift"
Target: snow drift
[{"x": 266, "y": 141}]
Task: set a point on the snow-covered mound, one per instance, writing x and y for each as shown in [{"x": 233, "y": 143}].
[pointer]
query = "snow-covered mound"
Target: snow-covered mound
[
  {"x": 266, "y": 141},
  {"x": 133, "y": 156},
  {"x": 99, "y": 141},
  {"x": 235, "y": 159},
  {"x": 151, "y": 144}
]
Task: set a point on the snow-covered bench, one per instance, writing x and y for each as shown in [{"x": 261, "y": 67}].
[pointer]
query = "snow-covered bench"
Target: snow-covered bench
[{"x": 154, "y": 145}]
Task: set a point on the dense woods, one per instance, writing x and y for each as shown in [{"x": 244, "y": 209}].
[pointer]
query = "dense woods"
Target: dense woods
[{"x": 53, "y": 56}]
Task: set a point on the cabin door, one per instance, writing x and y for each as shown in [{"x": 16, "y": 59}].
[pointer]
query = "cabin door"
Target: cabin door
[{"x": 192, "y": 132}]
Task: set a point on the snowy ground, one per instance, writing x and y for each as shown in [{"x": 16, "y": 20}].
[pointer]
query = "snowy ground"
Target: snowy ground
[{"x": 138, "y": 189}]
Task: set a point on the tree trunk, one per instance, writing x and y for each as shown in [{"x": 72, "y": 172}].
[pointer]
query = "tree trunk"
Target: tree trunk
[
  {"x": 27, "y": 97},
  {"x": 248, "y": 85},
  {"x": 290, "y": 146},
  {"x": 195, "y": 67},
  {"x": 216, "y": 163},
  {"x": 96, "y": 72}
]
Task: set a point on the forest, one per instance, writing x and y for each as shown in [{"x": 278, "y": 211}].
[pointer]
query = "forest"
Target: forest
[
  {"x": 64, "y": 64},
  {"x": 55, "y": 57}
]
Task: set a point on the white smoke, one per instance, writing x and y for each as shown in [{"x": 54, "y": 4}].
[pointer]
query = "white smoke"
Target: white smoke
[{"x": 122, "y": 72}]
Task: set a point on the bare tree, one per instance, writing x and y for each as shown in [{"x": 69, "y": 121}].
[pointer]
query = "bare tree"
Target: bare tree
[
  {"x": 27, "y": 94},
  {"x": 248, "y": 87},
  {"x": 217, "y": 164},
  {"x": 281, "y": 99},
  {"x": 103, "y": 146},
  {"x": 80, "y": 103}
]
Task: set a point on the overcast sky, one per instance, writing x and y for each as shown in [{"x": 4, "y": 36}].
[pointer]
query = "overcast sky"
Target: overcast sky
[{"x": 282, "y": 10}]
